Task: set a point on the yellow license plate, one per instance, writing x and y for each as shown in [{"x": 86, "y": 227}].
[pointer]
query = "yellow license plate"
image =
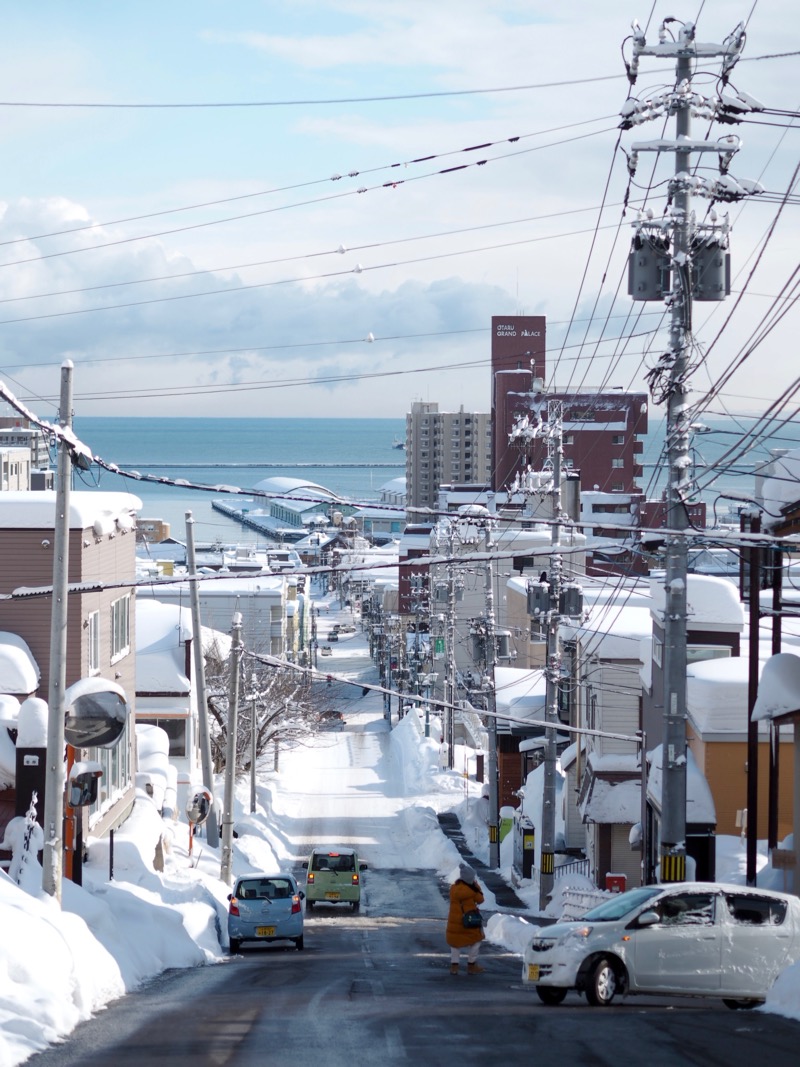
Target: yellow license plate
[
  {"x": 331, "y": 896},
  {"x": 533, "y": 972},
  {"x": 265, "y": 931}
]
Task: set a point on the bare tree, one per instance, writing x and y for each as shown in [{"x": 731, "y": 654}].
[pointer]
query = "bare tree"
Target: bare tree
[{"x": 286, "y": 706}]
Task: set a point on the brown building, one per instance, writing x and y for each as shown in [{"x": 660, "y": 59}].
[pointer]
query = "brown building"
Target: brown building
[
  {"x": 100, "y": 620},
  {"x": 602, "y": 431}
]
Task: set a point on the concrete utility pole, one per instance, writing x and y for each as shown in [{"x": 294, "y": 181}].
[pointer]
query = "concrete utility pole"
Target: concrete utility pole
[
  {"x": 555, "y": 448},
  {"x": 212, "y": 823},
  {"x": 696, "y": 261},
  {"x": 226, "y": 867},
  {"x": 491, "y": 663},
  {"x": 52, "y": 856}
]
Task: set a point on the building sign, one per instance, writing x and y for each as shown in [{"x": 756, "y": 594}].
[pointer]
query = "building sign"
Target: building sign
[{"x": 518, "y": 341}]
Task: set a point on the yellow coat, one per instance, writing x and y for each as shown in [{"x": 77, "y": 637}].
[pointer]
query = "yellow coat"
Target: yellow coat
[{"x": 463, "y": 898}]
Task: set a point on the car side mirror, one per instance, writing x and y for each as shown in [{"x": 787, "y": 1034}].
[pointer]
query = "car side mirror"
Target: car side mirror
[
  {"x": 301, "y": 894},
  {"x": 363, "y": 867},
  {"x": 230, "y": 896},
  {"x": 648, "y": 918}
]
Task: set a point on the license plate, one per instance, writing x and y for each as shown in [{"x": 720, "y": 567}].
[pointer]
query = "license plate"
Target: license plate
[
  {"x": 331, "y": 896},
  {"x": 265, "y": 931},
  {"x": 533, "y": 972}
]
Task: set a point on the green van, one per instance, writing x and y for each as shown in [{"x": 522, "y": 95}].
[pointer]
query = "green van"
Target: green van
[{"x": 334, "y": 876}]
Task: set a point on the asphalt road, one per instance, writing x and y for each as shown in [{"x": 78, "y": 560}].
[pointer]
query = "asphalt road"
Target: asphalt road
[{"x": 374, "y": 988}]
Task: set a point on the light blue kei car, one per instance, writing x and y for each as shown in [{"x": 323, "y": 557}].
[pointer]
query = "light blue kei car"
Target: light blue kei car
[{"x": 265, "y": 907}]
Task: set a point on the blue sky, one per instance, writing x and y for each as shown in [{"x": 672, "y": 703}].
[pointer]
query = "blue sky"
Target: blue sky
[{"x": 426, "y": 263}]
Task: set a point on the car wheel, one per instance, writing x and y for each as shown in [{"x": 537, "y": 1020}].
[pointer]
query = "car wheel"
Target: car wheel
[
  {"x": 309, "y": 904},
  {"x": 550, "y": 995},
  {"x": 602, "y": 984},
  {"x": 298, "y": 943},
  {"x": 235, "y": 945},
  {"x": 356, "y": 905},
  {"x": 740, "y": 1005}
]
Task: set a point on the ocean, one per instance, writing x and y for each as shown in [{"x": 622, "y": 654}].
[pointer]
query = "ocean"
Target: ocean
[{"x": 351, "y": 457}]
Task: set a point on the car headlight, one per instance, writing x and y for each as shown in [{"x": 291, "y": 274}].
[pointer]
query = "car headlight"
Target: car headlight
[{"x": 578, "y": 934}]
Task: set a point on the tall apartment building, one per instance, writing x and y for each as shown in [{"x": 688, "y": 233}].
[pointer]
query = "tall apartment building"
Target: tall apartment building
[{"x": 445, "y": 448}]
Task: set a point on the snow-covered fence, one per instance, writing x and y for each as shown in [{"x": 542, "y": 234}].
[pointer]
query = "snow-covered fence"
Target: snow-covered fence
[{"x": 577, "y": 900}]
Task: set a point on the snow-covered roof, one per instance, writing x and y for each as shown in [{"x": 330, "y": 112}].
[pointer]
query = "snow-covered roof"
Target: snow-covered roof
[
  {"x": 286, "y": 486},
  {"x": 700, "y": 808},
  {"x": 519, "y": 693},
  {"x": 235, "y": 585},
  {"x": 711, "y": 602},
  {"x": 37, "y": 510},
  {"x": 612, "y": 801},
  {"x": 778, "y": 688},
  {"x": 614, "y": 633},
  {"x": 162, "y": 631},
  {"x": 716, "y": 697},
  {"x": 19, "y": 671}
]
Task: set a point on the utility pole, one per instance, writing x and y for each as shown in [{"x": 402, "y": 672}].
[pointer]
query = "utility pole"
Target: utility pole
[
  {"x": 52, "y": 857},
  {"x": 450, "y": 688},
  {"x": 226, "y": 867},
  {"x": 698, "y": 265},
  {"x": 555, "y": 448},
  {"x": 212, "y": 824},
  {"x": 253, "y": 740},
  {"x": 491, "y": 663}
]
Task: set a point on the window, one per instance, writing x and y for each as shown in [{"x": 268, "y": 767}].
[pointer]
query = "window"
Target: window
[
  {"x": 93, "y": 641},
  {"x": 569, "y": 438},
  {"x": 120, "y": 627},
  {"x": 618, "y": 461},
  {"x": 696, "y": 653},
  {"x": 175, "y": 729},
  {"x": 747, "y": 910},
  {"x": 617, "y": 487},
  {"x": 658, "y": 646},
  {"x": 618, "y": 439},
  {"x": 687, "y": 909}
]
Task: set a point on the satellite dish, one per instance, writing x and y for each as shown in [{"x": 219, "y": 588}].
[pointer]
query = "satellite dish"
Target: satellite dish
[{"x": 96, "y": 713}]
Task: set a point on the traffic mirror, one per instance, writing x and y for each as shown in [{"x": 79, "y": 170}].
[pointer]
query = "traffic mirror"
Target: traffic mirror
[{"x": 96, "y": 712}]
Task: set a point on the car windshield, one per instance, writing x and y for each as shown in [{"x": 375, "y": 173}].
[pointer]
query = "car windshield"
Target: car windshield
[{"x": 622, "y": 904}]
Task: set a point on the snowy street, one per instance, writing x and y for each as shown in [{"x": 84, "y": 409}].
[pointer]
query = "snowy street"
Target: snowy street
[{"x": 373, "y": 985}]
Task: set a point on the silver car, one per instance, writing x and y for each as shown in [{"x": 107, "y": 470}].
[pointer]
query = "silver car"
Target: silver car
[{"x": 698, "y": 939}]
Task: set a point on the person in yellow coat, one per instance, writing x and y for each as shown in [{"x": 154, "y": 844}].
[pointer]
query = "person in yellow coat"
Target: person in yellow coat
[{"x": 465, "y": 895}]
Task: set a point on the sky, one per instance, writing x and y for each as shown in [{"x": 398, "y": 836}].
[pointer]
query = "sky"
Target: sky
[
  {"x": 292, "y": 259},
  {"x": 59, "y": 966}
]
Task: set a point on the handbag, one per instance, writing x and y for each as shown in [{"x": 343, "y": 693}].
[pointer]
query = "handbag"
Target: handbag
[{"x": 472, "y": 919}]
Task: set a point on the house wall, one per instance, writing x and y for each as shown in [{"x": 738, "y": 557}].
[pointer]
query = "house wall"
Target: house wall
[
  {"x": 623, "y": 859},
  {"x": 574, "y": 830},
  {"x": 26, "y": 560},
  {"x": 724, "y": 762}
]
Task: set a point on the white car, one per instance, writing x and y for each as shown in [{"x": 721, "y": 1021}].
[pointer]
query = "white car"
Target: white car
[{"x": 695, "y": 939}]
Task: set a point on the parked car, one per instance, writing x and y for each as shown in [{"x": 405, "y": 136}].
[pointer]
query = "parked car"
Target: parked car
[
  {"x": 347, "y": 629},
  {"x": 697, "y": 939},
  {"x": 331, "y": 720},
  {"x": 326, "y": 650},
  {"x": 265, "y": 907},
  {"x": 334, "y": 876}
]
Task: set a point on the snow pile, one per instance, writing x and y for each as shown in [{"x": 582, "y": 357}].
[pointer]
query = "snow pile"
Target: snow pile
[{"x": 59, "y": 965}]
